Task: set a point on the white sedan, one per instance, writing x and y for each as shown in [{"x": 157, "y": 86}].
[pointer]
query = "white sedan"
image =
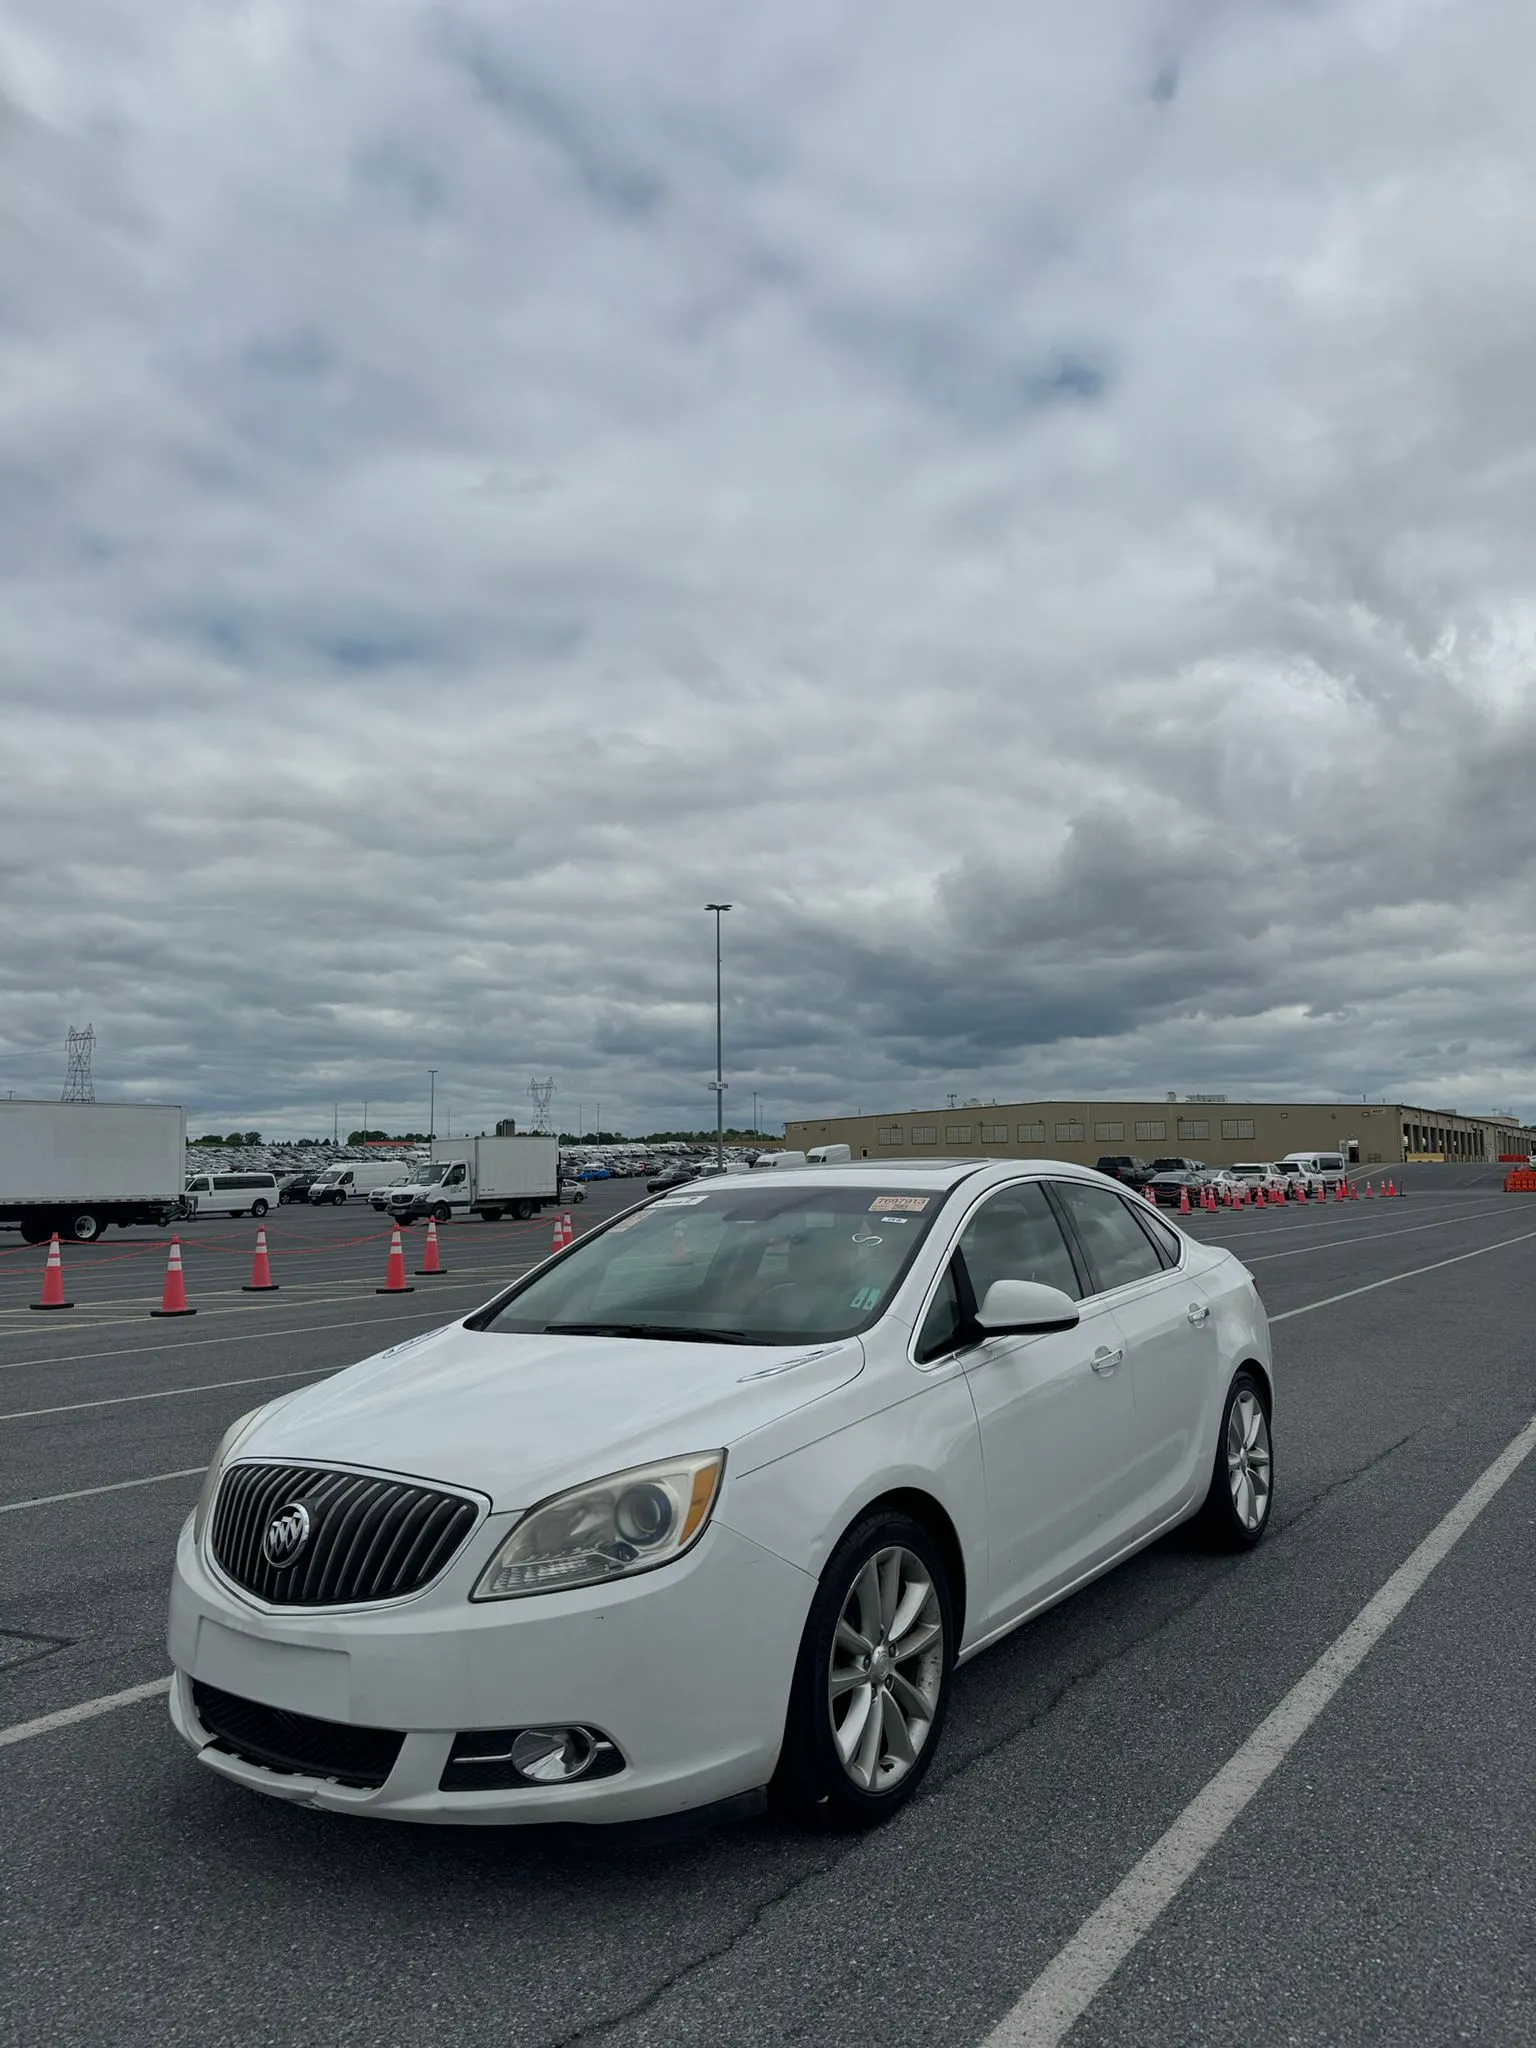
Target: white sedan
[{"x": 714, "y": 1501}]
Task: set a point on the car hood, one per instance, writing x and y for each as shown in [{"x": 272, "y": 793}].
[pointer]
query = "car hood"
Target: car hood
[{"x": 519, "y": 1417}]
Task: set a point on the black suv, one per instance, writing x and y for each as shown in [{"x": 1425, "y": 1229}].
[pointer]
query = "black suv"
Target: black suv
[{"x": 1125, "y": 1166}]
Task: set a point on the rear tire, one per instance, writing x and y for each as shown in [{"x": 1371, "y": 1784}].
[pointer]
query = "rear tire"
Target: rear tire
[
  {"x": 1236, "y": 1510},
  {"x": 522, "y": 1211},
  {"x": 871, "y": 1683}
]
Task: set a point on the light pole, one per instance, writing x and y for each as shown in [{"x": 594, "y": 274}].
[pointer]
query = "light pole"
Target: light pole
[
  {"x": 717, "y": 908},
  {"x": 754, "y": 1113},
  {"x": 432, "y": 1105}
]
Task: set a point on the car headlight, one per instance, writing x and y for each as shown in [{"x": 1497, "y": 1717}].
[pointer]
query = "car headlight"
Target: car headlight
[
  {"x": 227, "y": 1443},
  {"x": 629, "y": 1522}
]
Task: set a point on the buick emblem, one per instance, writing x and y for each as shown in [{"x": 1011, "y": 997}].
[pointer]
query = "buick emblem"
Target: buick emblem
[{"x": 287, "y": 1534}]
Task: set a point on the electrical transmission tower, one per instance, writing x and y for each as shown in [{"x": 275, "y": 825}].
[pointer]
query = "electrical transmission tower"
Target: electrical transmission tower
[
  {"x": 78, "y": 1085},
  {"x": 541, "y": 1094}
]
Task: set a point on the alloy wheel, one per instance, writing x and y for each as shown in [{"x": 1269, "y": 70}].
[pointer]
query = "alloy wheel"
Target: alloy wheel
[
  {"x": 1248, "y": 1460},
  {"x": 887, "y": 1669}
]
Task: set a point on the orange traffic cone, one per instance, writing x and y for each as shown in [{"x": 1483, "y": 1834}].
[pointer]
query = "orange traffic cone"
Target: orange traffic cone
[
  {"x": 53, "y": 1280},
  {"x": 557, "y": 1244},
  {"x": 174, "y": 1300},
  {"x": 1147, "y": 1192},
  {"x": 570, "y": 1235},
  {"x": 395, "y": 1281},
  {"x": 1184, "y": 1201},
  {"x": 431, "y": 1261},
  {"x": 261, "y": 1281}
]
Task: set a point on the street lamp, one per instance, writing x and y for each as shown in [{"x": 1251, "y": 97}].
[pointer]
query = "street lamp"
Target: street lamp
[
  {"x": 432, "y": 1105},
  {"x": 717, "y": 908}
]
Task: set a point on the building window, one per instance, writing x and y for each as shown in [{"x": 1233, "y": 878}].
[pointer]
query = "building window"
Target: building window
[
  {"x": 889, "y": 1134},
  {"x": 957, "y": 1134},
  {"x": 1109, "y": 1134},
  {"x": 1194, "y": 1127},
  {"x": 1153, "y": 1132},
  {"x": 994, "y": 1134},
  {"x": 925, "y": 1134},
  {"x": 1031, "y": 1134},
  {"x": 1070, "y": 1134},
  {"x": 1237, "y": 1127}
]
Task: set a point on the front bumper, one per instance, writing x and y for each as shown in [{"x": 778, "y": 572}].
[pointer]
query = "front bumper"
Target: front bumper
[{"x": 686, "y": 1669}]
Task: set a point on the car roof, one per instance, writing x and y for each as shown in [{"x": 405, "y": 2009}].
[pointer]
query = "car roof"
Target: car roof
[{"x": 942, "y": 1174}]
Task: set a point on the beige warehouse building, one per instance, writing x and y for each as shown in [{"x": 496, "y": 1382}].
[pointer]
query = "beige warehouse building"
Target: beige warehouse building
[{"x": 1208, "y": 1128}]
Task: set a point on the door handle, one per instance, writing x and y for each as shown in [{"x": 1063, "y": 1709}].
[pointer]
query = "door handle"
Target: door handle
[
  {"x": 1198, "y": 1313},
  {"x": 1104, "y": 1360}
]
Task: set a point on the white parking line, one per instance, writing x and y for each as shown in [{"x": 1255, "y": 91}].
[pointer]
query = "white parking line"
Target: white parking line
[
  {"x": 48, "y": 1500},
  {"x": 1370, "y": 1237},
  {"x": 87, "y": 1710},
  {"x": 1392, "y": 1279},
  {"x": 199, "y": 1342},
  {"x": 1074, "y": 1977},
  {"x": 265, "y": 1379}
]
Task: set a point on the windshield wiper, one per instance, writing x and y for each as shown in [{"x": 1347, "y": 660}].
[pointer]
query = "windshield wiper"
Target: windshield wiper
[{"x": 685, "y": 1334}]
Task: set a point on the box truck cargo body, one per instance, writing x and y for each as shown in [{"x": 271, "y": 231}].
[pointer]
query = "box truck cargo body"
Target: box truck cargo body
[
  {"x": 488, "y": 1177},
  {"x": 75, "y": 1167}
]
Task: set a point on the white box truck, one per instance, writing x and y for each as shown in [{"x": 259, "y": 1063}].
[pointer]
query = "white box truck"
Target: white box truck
[
  {"x": 489, "y": 1177},
  {"x": 75, "y": 1167}
]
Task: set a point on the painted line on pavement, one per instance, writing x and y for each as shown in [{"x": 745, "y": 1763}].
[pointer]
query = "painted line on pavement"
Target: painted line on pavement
[
  {"x": 1392, "y": 1279},
  {"x": 87, "y": 1710},
  {"x": 48, "y": 1500},
  {"x": 264, "y": 1379},
  {"x": 1300, "y": 1251},
  {"x": 195, "y": 1339},
  {"x": 1074, "y": 1977},
  {"x": 301, "y": 1294}
]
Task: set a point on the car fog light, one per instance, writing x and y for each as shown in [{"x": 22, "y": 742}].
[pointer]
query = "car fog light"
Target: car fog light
[{"x": 551, "y": 1756}]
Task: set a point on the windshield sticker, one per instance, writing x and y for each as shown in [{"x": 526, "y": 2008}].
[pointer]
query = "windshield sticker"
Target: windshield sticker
[
  {"x": 681, "y": 1201},
  {"x": 627, "y": 1222},
  {"x": 867, "y": 1297},
  {"x": 916, "y": 1203}
]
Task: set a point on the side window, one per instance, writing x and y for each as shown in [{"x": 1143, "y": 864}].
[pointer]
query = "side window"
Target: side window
[
  {"x": 1117, "y": 1248},
  {"x": 1015, "y": 1236},
  {"x": 943, "y": 1322},
  {"x": 1165, "y": 1239}
]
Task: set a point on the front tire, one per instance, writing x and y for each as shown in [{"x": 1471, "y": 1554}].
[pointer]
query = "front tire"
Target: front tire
[
  {"x": 258, "y": 1208},
  {"x": 1236, "y": 1510},
  {"x": 442, "y": 1213},
  {"x": 872, "y": 1679}
]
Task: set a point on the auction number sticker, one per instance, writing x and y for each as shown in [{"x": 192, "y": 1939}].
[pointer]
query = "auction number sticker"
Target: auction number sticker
[
  {"x": 681, "y": 1201},
  {"x": 889, "y": 1203}
]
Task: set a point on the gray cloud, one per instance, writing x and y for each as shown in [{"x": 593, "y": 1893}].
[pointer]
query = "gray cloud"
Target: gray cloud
[{"x": 1038, "y": 517}]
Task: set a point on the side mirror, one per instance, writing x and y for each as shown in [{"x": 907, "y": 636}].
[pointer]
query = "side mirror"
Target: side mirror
[{"x": 1019, "y": 1307}]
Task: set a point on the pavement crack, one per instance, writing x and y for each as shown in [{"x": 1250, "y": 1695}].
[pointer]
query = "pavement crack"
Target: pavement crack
[{"x": 601, "y": 2029}]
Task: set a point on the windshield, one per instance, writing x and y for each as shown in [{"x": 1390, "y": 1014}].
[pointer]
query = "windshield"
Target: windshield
[
  {"x": 432, "y": 1176},
  {"x": 738, "y": 1264}
]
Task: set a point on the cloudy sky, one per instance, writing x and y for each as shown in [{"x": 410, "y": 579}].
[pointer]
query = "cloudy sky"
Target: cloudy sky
[{"x": 1034, "y": 504}]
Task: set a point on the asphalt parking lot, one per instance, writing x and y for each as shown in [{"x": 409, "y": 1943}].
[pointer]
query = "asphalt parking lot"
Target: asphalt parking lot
[{"x": 1375, "y": 1888}]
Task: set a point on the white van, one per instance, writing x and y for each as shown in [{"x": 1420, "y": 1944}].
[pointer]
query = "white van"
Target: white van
[
  {"x": 829, "y": 1155},
  {"x": 766, "y": 1159},
  {"x": 229, "y": 1194},
  {"x": 352, "y": 1180},
  {"x": 1321, "y": 1171}
]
